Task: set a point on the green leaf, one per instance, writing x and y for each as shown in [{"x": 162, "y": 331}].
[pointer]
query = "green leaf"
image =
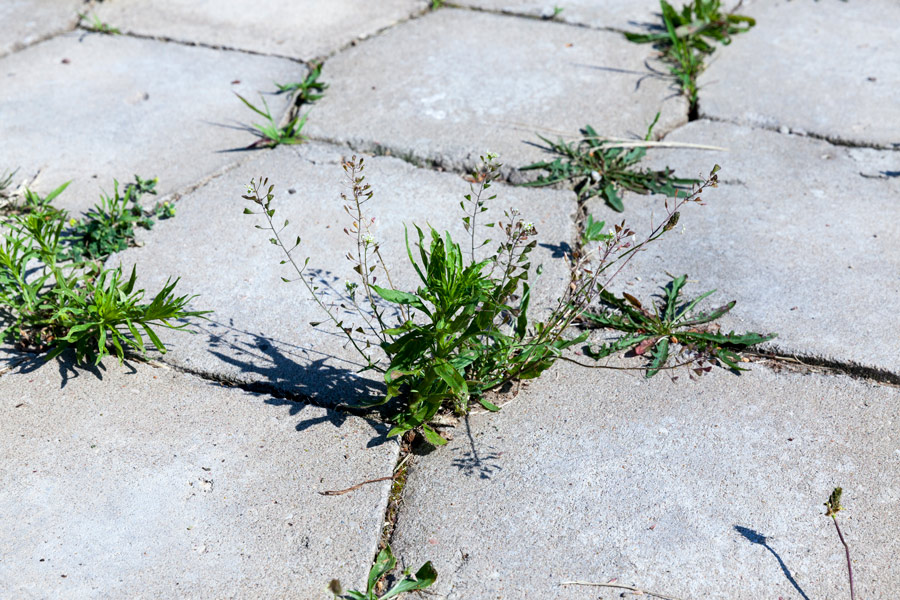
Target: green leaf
[
  {"x": 488, "y": 405},
  {"x": 660, "y": 356},
  {"x": 453, "y": 378},
  {"x": 398, "y": 297},
  {"x": 425, "y": 577},
  {"x": 432, "y": 436},
  {"x": 384, "y": 562}
]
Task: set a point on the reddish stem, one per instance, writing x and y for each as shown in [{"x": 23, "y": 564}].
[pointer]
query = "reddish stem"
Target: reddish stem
[{"x": 847, "y": 552}]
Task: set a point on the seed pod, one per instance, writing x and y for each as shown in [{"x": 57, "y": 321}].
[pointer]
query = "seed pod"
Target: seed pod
[{"x": 673, "y": 221}]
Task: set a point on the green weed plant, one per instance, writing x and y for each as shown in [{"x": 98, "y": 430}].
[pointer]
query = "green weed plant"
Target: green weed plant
[
  {"x": 384, "y": 564},
  {"x": 49, "y": 299},
  {"x": 269, "y": 133},
  {"x": 599, "y": 167},
  {"x": 311, "y": 89},
  {"x": 687, "y": 37},
  {"x": 653, "y": 331},
  {"x": 465, "y": 330}
]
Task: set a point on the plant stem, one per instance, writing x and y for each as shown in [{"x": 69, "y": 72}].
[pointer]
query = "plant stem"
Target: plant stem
[{"x": 847, "y": 552}]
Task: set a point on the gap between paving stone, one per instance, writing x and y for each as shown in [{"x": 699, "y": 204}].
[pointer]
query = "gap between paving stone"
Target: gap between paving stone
[
  {"x": 301, "y": 30},
  {"x": 804, "y": 243},
  {"x": 139, "y": 480},
  {"x": 446, "y": 100},
  {"x": 609, "y": 15},
  {"x": 692, "y": 489},
  {"x": 260, "y": 332},
  {"x": 29, "y": 22},
  {"x": 120, "y": 89},
  {"x": 817, "y": 67}
]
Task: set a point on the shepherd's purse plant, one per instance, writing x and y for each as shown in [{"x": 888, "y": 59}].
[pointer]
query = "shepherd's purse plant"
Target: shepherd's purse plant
[{"x": 466, "y": 329}]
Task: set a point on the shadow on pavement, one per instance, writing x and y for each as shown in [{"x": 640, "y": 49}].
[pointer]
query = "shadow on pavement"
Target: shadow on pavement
[{"x": 757, "y": 538}]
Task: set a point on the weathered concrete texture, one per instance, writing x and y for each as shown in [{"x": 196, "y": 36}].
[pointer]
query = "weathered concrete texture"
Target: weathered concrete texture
[
  {"x": 260, "y": 331},
  {"x": 303, "y": 29},
  {"x": 807, "y": 246},
  {"x": 90, "y": 108},
  {"x": 454, "y": 84},
  {"x": 28, "y": 21},
  {"x": 140, "y": 482},
  {"x": 693, "y": 489},
  {"x": 818, "y": 67},
  {"x": 601, "y": 14}
]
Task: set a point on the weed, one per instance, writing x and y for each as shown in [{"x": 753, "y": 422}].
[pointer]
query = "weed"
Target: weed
[
  {"x": 311, "y": 89},
  {"x": 47, "y": 301},
  {"x": 832, "y": 508},
  {"x": 601, "y": 168},
  {"x": 465, "y": 330},
  {"x": 436, "y": 4},
  {"x": 594, "y": 231},
  {"x": 5, "y": 181},
  {"x": 109, "y": 226},
  {"x": 93, "y": 23},
  {"x": 686, "y": 38},
  {"x": 650, "y": 332},
  {"x": 384, "y": 564},
  {"x": 270, "y": 134},
  {"x": 551, "y": 13}
]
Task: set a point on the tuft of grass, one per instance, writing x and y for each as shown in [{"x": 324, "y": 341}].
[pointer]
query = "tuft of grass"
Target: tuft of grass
[
  {"x": 384, "y": 564},
  {"x": 652, "y": 331},
  {"x": 270, "y": 134},
  {"x": 687, "y": 37},
  {"x": 311, "y": 89},
  {"x": 51, "y": 302},
  {"x": 832, "y": 508},
  {"x": 599, "y": 167},
  {"x": 93, "y": 23},
  {"x": 6, "y": 180}
]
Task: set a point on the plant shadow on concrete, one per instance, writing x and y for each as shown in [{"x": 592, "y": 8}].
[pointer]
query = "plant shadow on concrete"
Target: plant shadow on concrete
[
  {"x": 757, "y": 538},
  {"x": 296, "y": 376}
]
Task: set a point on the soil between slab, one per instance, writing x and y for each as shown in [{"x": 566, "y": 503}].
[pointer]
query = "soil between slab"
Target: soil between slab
[
  {"x": 260, "y": 331},
  {"x": 134, "y": 481},
  {"x": 807, "y": 245},
  {"x": 455, "y": 84},
  {"x": 92, "y": 108},
  {"x": 694, "y": 489}
]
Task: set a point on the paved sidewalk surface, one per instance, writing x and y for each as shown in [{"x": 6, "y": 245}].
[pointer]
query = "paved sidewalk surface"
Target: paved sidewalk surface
[
  {"x": 198, "y": 474},
  {"x": 133, "y": 481}
]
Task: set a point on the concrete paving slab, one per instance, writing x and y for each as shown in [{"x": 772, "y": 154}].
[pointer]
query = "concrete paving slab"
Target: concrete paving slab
[
  {"x": 141, "y": 482},
  {"x": 822, "y": 67},
  {"x": 600, "y": 14},
  {"x": 693, "y": 489},
  {"x": 28, "y": 21},
  {"x": 91, "y": 108},
  {"x": 303, "y": 29},
  {"x": 260, "y": 331},
  {"x": 806, "y": 244},
  {"x": 447, "y": 98}
]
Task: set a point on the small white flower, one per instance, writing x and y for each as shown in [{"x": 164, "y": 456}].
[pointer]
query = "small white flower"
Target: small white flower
[{"x": 368, "y": 238}]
